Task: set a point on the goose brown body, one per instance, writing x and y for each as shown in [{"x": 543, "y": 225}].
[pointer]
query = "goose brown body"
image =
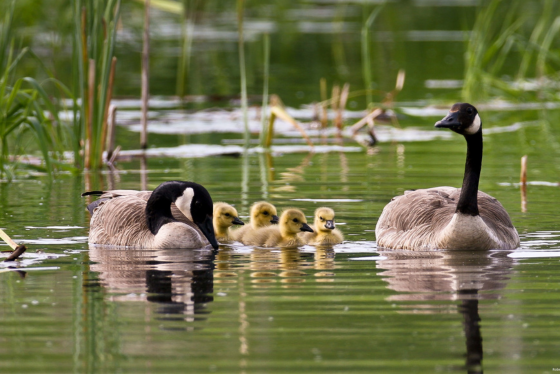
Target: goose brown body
[
  {"x": 446, "y": 217},
  {"x": 146, "y": 219}
]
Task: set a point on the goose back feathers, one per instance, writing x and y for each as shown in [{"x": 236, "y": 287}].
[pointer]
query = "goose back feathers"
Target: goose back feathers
[{"x": 176, "y": 214}]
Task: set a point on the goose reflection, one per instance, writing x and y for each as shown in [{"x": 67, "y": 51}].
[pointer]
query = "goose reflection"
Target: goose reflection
[
  {"x": 179, "y": 281},
  {"x": 449, "y": 275}
]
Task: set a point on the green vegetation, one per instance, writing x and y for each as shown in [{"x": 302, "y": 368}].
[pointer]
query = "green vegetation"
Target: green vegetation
[
  {"x": 29, "y": 119},
  {"x": 500, "y": 32}
]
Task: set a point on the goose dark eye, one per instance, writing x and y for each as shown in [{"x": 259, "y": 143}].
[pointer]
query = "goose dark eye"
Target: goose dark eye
[{"x": 469, "y": 110}]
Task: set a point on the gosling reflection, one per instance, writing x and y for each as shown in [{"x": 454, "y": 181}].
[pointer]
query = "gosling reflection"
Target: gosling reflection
[
  {"x": 286, "y": 265},
  {"x": 449, "y": 275},
  {"x": 180, "y": 282}
]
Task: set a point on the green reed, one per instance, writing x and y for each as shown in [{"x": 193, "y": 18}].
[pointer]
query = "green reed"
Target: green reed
[
  {"x": 27, "y": 113},
  {"x": 366, "y": 55},
  {"x": 95, "y": 25},
  {"x": 242, "y": 71},
  {"x": 499, "y": 33},
  {"x": 264, "y": 108}
]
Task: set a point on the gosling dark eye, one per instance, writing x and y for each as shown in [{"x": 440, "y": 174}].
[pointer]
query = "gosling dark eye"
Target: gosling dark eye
[
  {"x": 227, "y": 214},
  {"x": 321, "y": 218},
  {"x": 295, "y": 220},
  {"x": 265, "y": 213}
]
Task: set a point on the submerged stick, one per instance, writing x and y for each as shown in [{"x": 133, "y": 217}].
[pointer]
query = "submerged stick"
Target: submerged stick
[{"x": 523, "y": 183}]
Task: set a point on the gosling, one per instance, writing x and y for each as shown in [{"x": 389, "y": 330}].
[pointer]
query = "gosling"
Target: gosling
[
  {"x": 324, "y": 229},
  {"x": 225, "y": 216},
  {"x": 291, "y": 223},
  {"x": 262, "y": 214}
]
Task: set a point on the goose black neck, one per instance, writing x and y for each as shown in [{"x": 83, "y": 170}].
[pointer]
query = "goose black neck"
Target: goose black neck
[
  {"x": 158, "y": 207},
  {"x": 468, "y": 203}
]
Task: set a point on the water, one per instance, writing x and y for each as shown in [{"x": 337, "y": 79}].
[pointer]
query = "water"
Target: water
[
  {"x": 349, "y": 308},
  {"x": 65, "y": 307}
]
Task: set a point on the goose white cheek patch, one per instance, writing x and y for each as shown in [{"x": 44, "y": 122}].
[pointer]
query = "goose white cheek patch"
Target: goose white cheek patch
[
  {"x": 184, "y": 202},
  {"x": 474, "y": 127}
]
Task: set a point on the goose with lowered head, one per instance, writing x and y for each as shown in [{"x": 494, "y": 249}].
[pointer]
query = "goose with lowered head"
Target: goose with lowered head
[
  {"x": 176, "y": 214},
  {"x": 446, "y": 217}
]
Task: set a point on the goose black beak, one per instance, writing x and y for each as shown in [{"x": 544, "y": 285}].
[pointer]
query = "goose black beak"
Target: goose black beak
[
  {"x": 329, "y": 225},
  {"x": 237, "y": 221},
  {"x": 207, "y": 229},
  {"x": 305, "y": 227},
  {"x": 451, "y": 121},
  {"x": 275, "y": 220}
]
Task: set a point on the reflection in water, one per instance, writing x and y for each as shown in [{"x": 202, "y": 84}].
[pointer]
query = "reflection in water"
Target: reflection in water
[
  {"x": 180, "y": 281},
  {"x": 449, "y": 275}
]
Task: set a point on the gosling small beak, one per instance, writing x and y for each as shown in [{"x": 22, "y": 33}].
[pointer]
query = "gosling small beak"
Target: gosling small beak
[
  {"x": 237, "y": 221},
  {"x": 274, "y": 220},
  {"x": 451, "y": 121},
  {"x": 329, "y": 225},
  {"x": 207, "y": 229},
  {"x": 305, "y": 227}
]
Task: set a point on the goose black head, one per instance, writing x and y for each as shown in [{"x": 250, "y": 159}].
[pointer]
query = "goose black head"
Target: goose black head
[
  {"x": 462, "y": 118},
  {"x": 192, "y": 199}
]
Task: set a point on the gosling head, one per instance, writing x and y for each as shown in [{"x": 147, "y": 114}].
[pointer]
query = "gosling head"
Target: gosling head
[
  {"x": 263, "y": 214},
  {"x": 462, "y": 118},
  {"x": 225, "y": 216},
  {"x": 324, "y": 219},
  {"x": 293, "y": 221}
]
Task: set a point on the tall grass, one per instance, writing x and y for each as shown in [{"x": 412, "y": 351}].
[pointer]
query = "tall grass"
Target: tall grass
[
  {"x": 27, "y": 114},
  {"x": 500, "y": 32},
  {"x": 366, "y": 55},
  {"x": 93, "y": 61},
  {"x": 242, "y": 71}
]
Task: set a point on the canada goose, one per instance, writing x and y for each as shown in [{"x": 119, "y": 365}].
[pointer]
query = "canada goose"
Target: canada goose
[
  {"x": 262, "y": 214},
  {"x": 292, "y": 221},
  {"x": 324, "y": 229},
  {"x": 447, "y": 217},
  {"x": 144, "y": 219},
  {"x": 225, "y": 216}
]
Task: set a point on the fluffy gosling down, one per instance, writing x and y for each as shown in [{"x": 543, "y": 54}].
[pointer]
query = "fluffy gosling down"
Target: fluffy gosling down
[
  {"x": 225, "y": 216},
  {"x": 292, "y": 222},
  {"x": 324, "y": 229},
  {"x": 262, "y": 214}
]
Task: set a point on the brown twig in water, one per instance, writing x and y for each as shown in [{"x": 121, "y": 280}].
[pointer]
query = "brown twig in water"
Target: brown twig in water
[{"x": 18, "y": 249}]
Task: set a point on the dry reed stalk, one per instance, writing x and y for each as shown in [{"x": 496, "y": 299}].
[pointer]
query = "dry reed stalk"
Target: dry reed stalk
[
  {"x": 335, "y": 98},
  {"x": 523, "y": 184},
  {"x": 342, "y": 105},
  {"x": 89, "y": 124},
  {"x": 277, "y": 110},
  {"x": 5, "y": 237},
  {"x": 324, "y": 116},
  {"x": 106, "y": 111},
  {"x": 145, "y": 76},
  {"x": 111, "y": 125}
]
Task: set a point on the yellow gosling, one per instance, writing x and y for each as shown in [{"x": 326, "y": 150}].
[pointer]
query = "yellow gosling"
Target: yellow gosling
[
  {"x": 225, "y": 216},
  {"x": 324, "y": 229},
  {"x": 262, "y": 214},
  {"x": 291, "y": 223}
]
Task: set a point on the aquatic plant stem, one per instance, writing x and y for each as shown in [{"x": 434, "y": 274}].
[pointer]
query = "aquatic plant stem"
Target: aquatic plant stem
[
  {"x": 242, "y": 73},
  {"x": 145, "y": 76},
  {"x": 264, "y": 106}
]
